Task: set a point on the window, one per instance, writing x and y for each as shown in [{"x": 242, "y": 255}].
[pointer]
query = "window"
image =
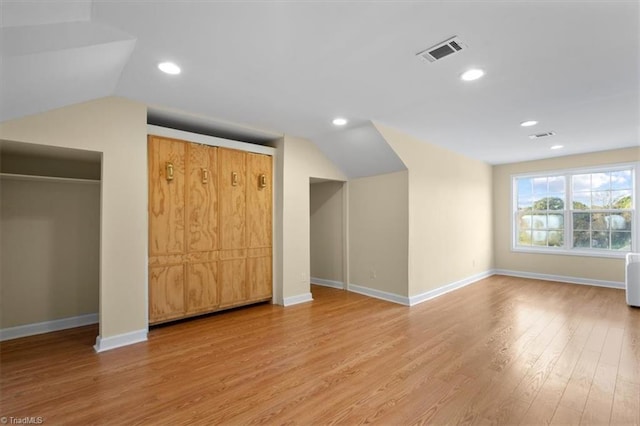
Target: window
[{"x": 576, "y": 212}]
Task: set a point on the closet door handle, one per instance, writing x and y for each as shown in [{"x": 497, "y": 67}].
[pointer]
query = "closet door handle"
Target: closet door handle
[
  {"x": 205, "y": 175},
  {"x": 234, "y": 179},
  {"x": 262, "y": 181},
  {"x": 169, "y": 170}
]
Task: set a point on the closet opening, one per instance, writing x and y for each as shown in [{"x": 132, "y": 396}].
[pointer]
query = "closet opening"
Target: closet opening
[
  {"x": 328, "y": 233},
  {"x": 50, "y": 200}
]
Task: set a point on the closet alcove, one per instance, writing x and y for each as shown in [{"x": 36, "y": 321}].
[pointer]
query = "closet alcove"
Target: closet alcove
[{"x": 49, "y": 238}]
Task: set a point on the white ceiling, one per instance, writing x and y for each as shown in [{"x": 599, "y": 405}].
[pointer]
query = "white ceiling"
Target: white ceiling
[{"x": 290, "y": 67}]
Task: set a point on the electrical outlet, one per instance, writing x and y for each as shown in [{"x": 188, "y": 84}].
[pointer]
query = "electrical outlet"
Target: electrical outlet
[{"x": 373, "y": 274}]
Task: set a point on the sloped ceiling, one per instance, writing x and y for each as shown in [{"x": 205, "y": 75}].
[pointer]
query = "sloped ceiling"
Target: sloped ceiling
[
  {"x": 290, "y": 67},
  {"x": 360, "y": 151},
  {"x": 56, "y": 57}
]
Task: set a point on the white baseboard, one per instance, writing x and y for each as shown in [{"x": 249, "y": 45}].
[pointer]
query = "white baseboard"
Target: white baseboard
[
  {"x": 327, "y": 283},
  {"x": 47, "y": 326},
  {"x": 119, "y": 340},
  {"x": 423, "y": 297},
  {"x": 419, "y": 298},
  {"x": 300, "y": 298},
  {"x": 379, "y": 294},
  {"x": 561, "y": 278}
]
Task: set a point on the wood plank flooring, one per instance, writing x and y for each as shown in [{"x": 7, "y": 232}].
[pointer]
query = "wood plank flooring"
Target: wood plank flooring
[{"x": 501, "y": 351}]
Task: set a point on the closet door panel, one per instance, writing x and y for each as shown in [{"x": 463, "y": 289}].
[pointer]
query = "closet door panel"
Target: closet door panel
[
  {"x": 166, "y": 195},
  {"x": 231, "y": 184},
  {"x": 232, "y": 282},
  {"x": 202, "y": 287},
  {"x": 259, "y": 200},
  {"x": 166, "y": 292},
  {"x": 259, "y": 275},
  {"x": 210, "y": 228},
  {"x": 202, "y": 198}
]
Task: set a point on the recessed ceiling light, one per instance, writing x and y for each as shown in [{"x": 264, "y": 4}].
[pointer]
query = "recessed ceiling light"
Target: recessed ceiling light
[
  {"x": 169, "y": 68},
  {"x": 557, "y": 147},
  {"x": 528, "y": 123},
  {"x": 472, "y": 74},
  {"x": 339, "y": 121}
]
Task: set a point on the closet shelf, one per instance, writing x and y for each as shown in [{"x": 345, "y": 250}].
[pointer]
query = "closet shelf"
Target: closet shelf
[{"x": 13, "y": 176}]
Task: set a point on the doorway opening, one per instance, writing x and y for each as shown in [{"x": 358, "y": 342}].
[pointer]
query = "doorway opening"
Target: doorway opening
[
  {"x": 328, "y": 236},
  {"x": 50, "y": 245}
]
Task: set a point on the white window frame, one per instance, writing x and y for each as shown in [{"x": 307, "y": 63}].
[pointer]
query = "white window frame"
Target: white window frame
[{"x": 568, "y": 212}]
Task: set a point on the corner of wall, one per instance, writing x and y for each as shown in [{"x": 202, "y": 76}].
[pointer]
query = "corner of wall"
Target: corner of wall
[
  {"x": 446, "y": 244},
  {"x": 297, "y": 161}
]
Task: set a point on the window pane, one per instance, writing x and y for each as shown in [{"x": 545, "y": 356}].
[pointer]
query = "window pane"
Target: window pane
[
  {"x": 556, "y": 238},
  {"x": 600, "y": 181},
  {"x": 581, "y": 200},
  {"x": 524, "y": 238},
  {"x": 600, "y": 240},
  {"x": 621, "y": 241},
  {"x": 525, "y": 186},
  {"x": 539, "y": 221},
  {"x": 581, "y": 221},
  {"x": 543, "y": 201},
  {"x": 524, "y": 221},
  {"x": 621, "y": 222},
  {"x": 581, "y": 183},
  {"x": 540, "y": 185},
  {"x": 555, "y": 221},
  {"x": 541, "y": 204},
  {"x": 621, "y": 180},
  {"x": 539, "y": 238},
  {"x": 599, "y": 221},
  {"x": 601, "y": 200},
  {"x": 581, "y": 239},
  {"x": 621, "y": 199},
  {"x": 549, "y": 203},
  {"x": 556, "y": 184},
  {"x": 616, "y": 222},
  {"x": 556, "y": 201},
  {"x": 525, "y": 203}
]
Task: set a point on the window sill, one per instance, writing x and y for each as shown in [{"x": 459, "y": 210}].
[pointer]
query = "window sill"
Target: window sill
[{"x": 571, "y": 252}]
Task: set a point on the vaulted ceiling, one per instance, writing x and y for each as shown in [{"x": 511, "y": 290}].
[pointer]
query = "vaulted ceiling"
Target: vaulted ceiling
[{"x": 291, "y": 67}]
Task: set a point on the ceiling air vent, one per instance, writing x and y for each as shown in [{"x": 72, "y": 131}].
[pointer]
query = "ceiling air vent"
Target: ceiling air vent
[
  {"x": 541, "y": 135},
  {"x": 441, "y": 50}
]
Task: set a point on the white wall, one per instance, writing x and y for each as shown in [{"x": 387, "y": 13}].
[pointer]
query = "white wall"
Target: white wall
[
  {"x": 327, "y": 230},
  {"x": 450, "y": 213},
  {"x": 379, "y": 232},
  {"x": 117, "y": 128},
  {"x": 50, "y": 245},
  {"x": 297, "y": 161},
  {"x": 590, "y": 268}
]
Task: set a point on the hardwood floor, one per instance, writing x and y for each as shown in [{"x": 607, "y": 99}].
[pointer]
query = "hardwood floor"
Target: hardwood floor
[{"x": 504, "y": 350}]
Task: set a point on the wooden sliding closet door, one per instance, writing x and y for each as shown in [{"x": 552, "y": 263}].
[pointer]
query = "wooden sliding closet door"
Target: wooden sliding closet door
[
  {"x": 166, "y": 228},
  {"x": 210, "y": 228},
  {"x": 202, "y": 229},
  {"x": 259, "y": 226},
  {"x": 232, "y": 181}
]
